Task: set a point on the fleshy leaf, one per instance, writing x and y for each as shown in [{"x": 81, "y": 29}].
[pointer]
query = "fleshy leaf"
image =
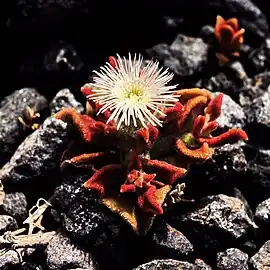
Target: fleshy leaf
[
  {"x": 107, "y": 180},
  {"x": 113, "y": 62},
  {"x": 90, "y": 160},
  {"x": 230, "y": 136},
  {"x": 208, "y": 128},
  {"x": 165, "y": 172},
  {"x": 73, "y": 117},
  {"x": 198, "y": 125},
  {"x": 214, "y": 107},
  {"x": 200, "y": 154},
  {"x": 188, "y": 107},
  {"x": 152, "y": 200},
  {"x": 186, "y": 94},
  {"x": 126, "y": 207},
  {"x": 145, "y": 137}
]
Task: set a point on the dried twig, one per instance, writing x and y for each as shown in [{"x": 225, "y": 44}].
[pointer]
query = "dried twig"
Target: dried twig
[{"x": 18, "y": 241}]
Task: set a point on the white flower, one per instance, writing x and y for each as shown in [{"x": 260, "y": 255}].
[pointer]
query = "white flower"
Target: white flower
[{"x": 134, "y": 94}]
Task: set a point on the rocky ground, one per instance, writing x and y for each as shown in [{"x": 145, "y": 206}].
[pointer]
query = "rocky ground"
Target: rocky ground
[{"x": 50, "y": 50}]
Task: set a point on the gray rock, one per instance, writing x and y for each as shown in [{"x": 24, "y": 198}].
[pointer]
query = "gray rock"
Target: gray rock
[
  {"x": 85, "y": 218},
  {"x": 254, "y": 88},
  {"x": 230, "y": 157},
  {"x": 65, "y": 99},
  {"x": 259, "y": 111},
  {"x": 7, "y": 223},
  {"x": 62, "y": 252},
  {"x": 232, "y": 259},
  {"x": 37, "y": 156},
  {"x": 218, "y": 221},
  {"x": 261, "y": 260},
  {"x": 13, "y": 106},
  {"x": 219, "y": 82},
  {"x": 171, "y": 265},
  {"x": 185, "y": 57},
  {"x": 14, "y": 259},
  {"x": 232, "y": 114},
  {"x": 170, "y": 243},
  {"x": 263, "y": 212},
  {"x": 260, "y": 58},
  {"x": 9, "y": 259},
  {"x": 15, "y": 204}
]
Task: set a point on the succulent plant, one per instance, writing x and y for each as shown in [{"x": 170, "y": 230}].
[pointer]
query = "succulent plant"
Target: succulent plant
[
  {"x": 229, "y": 37},
  {"x": 140, "y": 137}
]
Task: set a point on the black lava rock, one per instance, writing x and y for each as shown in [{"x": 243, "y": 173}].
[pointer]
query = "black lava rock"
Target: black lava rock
[
  {"x": 84, "y": 218},
  {"x": 12, "y": 132},
  {"x": 30, "y": 266},
  {"x": 232, "y": 259},
  {"x": 256, "y": 180},
  {"x": 260, "y": 58}
]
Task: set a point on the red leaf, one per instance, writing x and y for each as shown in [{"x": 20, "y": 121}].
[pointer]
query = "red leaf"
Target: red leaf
[
  {"x": 127, "y": 188},
  {"x": 198, "y": 125},
  {"x": 113, "y": 62},
  {"x": 165, "y": 172},
  {"x": 230, "y": 136},
  {"x": 148, "y": 203},
  {"x": 145, "y": 137},
  {"x": 208, "y": 128},
  {"x": 107, "y": 179},
  {"x": 214, "y": 107}
]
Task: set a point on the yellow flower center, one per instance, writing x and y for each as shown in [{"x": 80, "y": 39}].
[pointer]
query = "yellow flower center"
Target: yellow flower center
[{"x": 134, "y": 93}]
